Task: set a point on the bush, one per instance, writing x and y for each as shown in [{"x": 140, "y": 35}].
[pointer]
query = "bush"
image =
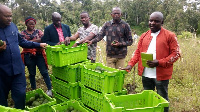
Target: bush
[{"x": 185, "y": 35}]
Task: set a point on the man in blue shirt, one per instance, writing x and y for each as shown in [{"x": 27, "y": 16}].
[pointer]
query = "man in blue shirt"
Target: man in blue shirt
[{"x": 12, "y": 70}]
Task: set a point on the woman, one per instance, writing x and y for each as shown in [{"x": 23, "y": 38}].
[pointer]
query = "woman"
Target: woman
[{"x": 33, "y": 57}]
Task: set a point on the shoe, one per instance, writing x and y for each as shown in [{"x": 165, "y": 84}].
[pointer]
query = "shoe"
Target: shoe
[{"x": 49, "y": 93}]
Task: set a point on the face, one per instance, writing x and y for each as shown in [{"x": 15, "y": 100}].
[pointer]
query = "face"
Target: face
[
  {"x": 116, "y": 14},
  {"x": 5, "y": 17},
  {"x": 84, "y": 19},
  {"x": 56, "y": 21},
  {"x": 30, "y": 25},
  {"x": 155, "y": 23}
]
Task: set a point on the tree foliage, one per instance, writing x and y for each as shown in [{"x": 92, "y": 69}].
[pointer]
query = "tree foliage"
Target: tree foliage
[{"x": 179, "y": 15}]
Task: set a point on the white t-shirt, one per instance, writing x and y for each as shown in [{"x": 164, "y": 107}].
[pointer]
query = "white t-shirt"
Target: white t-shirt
[{"x": 151, "y": 72}]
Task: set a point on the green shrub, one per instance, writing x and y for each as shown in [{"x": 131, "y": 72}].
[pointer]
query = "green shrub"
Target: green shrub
[{"x": 185, "y": 35}]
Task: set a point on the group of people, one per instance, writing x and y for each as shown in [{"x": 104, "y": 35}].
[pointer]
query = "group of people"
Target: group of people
[{"x": 158, "y": 41}]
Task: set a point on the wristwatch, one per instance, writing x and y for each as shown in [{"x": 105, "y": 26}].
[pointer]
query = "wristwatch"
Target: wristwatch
[{"x": 77, "y": 42}]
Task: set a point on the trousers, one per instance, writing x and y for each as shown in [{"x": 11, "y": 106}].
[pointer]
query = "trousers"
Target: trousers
[
  {"x": 31, "y": 62},
  {"x": 17, "y": 85}
]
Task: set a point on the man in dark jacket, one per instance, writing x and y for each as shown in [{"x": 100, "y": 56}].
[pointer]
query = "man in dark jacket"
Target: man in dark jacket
[
  {"x": 12, "y": 69},
  {"x": 56, "y": 33}
]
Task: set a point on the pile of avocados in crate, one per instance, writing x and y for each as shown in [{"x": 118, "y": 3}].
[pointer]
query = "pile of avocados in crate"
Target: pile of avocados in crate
[{"x": 82, "y": 86}]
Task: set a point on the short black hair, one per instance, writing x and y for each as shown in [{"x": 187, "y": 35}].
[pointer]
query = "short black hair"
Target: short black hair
[{"x": 86, "y": 13}]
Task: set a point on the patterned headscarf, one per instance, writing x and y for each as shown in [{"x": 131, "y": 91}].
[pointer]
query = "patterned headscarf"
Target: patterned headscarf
[{"x": 29, "y": 18}]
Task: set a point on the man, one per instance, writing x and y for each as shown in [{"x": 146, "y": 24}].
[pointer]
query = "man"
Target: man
[
  {"x": 12, "y": 70},
  {"x": 119, "y": 36},
  {"x": 87, "y": 32},
  {"x": 56, "y": 33},
  {"x": 165, "y": 49}
]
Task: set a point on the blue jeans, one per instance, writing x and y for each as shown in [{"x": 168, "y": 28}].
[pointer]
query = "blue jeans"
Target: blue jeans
[
  {"x": 17, "y": 85},
  {"x": 161, "y": 87},
  {"x": 31, "y": 62}
]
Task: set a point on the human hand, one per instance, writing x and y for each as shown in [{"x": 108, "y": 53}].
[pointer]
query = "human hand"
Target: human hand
[
  {"x": 67, "y": 41},
  {"x": 115, "y": 43},
  {"x": 3, "y": 47},
  {"x": 58, "y": 43},
  {"x": 89, "y": 42},
  {"x": 42, "y": 45},
  {"x": 74, "y": 45},
  {"x": 153, "y": 63},
  {"x": 127, "y": 68}
]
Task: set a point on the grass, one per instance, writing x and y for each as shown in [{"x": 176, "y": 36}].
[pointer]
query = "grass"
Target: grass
[{"x": 184, "y": 87}]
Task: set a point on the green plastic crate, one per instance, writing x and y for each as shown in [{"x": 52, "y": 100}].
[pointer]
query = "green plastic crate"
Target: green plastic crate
[
  {"x": 9, "y": 109},
  {"x": 92, "y": 99},
  {"x": 108, "y": 81},
  {"x": 69, "y": 73},
  {"x": 69, "y": 90},
  {"x": 4, "y": 109},
  {"x": 61, "y": 55},
  {"x": 48, "y": 51},
  {"x": 39, "y": 108},
  {"x": 123, "y": 92},
  {"x": 147, "y": 101},
  {"x": 59, "y": 98},
  {"x": 63, "y": 107}
]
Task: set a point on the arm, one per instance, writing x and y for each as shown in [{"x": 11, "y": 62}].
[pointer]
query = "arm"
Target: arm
[
  {"x": 86, "y": 39},
  {"x": 89, "y": 37},
  {"x": 101, "y": 34},
  {"x": 127, "y": 40},
  {"x": 40, "y": 34},
  {"x": 29, "y": 44},
  {"x": 74, "y": 37},
  {"x": 174, "y": 52}
]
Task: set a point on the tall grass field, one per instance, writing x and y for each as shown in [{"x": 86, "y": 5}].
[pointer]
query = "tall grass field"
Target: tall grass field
[{"x": 184, "y": 87}]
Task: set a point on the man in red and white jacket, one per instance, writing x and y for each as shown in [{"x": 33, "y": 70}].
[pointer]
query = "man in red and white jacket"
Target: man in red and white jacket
[{"x": 165, "y": 49}]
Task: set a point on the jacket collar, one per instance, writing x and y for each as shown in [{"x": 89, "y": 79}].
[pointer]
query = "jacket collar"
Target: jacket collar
[{"x": 112, "y": 22}]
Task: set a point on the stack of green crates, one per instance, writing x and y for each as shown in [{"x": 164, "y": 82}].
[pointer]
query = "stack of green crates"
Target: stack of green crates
[
  {"x": 92, "y": 86},
  {"x": 102, "y": 78},
  {"x": 98, "y": 80},
  {"x": 65, "y": 69}
]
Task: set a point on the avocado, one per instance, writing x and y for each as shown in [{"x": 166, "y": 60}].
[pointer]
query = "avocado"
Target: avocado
[
  {"x": 71, "y": 108},
  {"x": 41, "y": 96},
  {"x": 36, "y": 95},
  {"x": 32, "y": 99},
  {"x": 73, "y": 111},
  {"x": 45, "y": 101},
  {"x": 35, "y": 103},
  {"x": 1, "y": 42}
]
